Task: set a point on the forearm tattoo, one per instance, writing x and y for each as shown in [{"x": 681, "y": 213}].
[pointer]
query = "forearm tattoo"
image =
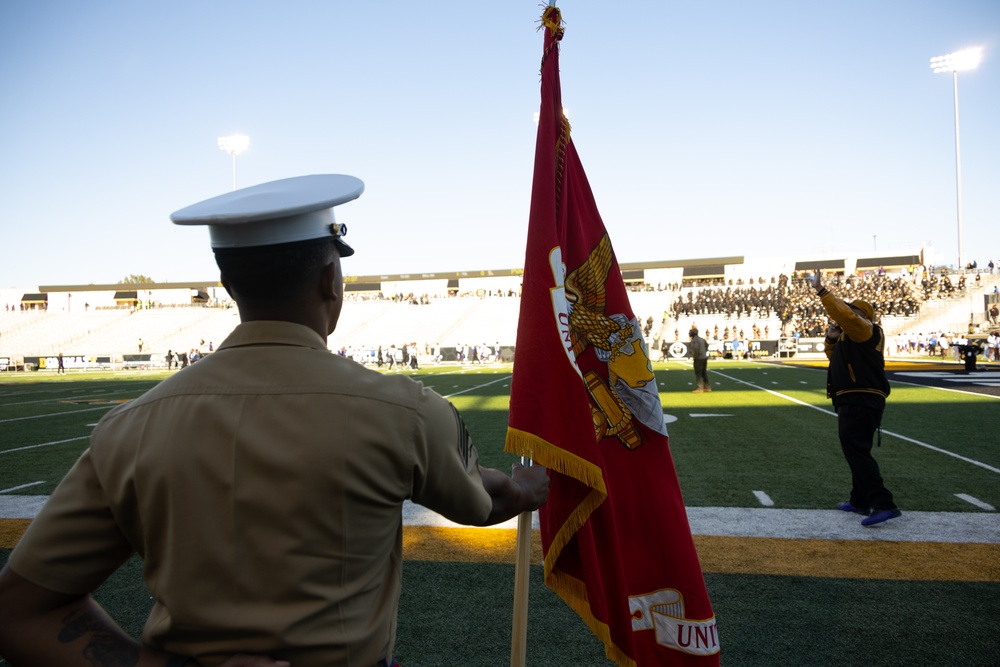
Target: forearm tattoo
[{"x": 106, "y": 647}]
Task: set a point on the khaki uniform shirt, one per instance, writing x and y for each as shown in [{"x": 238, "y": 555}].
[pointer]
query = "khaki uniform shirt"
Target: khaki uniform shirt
[{"x": 263, "y": 488}]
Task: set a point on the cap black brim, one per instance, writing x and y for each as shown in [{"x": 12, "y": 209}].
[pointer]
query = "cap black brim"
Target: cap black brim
[{"x": 344, "y": 249}]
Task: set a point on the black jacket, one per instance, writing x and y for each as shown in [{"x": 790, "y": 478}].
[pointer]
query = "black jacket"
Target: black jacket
[{"x": 857, "y": 371}]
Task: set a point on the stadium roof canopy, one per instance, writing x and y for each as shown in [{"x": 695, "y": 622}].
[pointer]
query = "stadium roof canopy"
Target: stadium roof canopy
[
  {"x": 821, "y": 265},
  {"x": 711, "y": 267},
  {"x": 709, "y": 271},
  {"x": 888, "y": 262}
]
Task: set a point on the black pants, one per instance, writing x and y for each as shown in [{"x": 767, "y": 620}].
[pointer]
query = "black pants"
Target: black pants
[
  {"x": 701, "y": 373},
  {"x": 856, "y": 425}
]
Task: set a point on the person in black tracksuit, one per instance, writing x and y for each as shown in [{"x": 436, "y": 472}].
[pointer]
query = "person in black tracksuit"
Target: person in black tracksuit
[{"x": 857, "y": 384}]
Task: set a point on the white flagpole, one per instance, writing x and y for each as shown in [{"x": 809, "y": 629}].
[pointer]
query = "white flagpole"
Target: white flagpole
[{"x": 522, "y": 570}]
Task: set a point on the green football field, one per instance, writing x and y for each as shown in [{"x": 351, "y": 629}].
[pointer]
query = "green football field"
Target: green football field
[{"x": 792, "y": 581}]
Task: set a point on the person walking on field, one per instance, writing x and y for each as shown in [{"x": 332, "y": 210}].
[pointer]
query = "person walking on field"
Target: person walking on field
[
  {"x": 857, "y": 384},
  {"x": 699, "y": 353}
]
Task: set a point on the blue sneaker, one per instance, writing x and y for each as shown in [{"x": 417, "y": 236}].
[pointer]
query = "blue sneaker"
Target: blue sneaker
[
  {"x": 848, "y": 507},
  {"x": 880, "y": 516}
]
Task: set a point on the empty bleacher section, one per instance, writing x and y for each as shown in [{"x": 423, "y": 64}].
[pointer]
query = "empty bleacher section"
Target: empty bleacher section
[
  {"x": 446, "y": 321},
  {"x": 725, "y": 298},
  {"x": 114, "y": 333}
]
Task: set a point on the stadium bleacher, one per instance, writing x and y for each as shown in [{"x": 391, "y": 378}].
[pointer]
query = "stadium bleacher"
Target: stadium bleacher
[{"x": 666, "y": 301}]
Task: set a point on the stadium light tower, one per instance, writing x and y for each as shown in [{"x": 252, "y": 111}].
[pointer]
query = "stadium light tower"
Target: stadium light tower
[
  {"x": 959, "y": 61},
  {"x": 234, "y": 144}
]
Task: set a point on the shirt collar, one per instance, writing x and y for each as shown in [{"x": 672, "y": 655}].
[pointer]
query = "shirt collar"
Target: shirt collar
[{"x": 273, "y": 332}]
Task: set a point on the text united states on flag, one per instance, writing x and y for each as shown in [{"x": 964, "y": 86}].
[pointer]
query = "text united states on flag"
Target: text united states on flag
[{"x": 584, "y": 403}]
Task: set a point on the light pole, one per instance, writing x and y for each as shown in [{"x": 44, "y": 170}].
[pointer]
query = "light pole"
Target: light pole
[
  {"x": 959, "y": 61},
  {"x": 234, "y": 144}
]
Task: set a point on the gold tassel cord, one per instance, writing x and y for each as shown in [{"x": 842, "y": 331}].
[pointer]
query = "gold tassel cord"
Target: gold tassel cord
[{"x": 552, "y": 19}]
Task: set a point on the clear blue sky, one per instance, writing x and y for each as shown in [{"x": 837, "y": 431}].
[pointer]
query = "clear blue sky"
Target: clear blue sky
[{"x": 707, "y": 129}]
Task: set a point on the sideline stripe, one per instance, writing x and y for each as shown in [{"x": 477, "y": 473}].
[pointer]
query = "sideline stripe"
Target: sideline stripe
[
  {"x": 896, "y": 435},
  {"x": 11, "y": 531},
  {"x": 839, "y": 559}
]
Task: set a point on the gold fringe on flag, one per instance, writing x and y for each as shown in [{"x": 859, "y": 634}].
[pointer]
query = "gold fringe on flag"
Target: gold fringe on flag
[
  {"x": 574, "y": 593},
  {"x": 555, "y": 458}
]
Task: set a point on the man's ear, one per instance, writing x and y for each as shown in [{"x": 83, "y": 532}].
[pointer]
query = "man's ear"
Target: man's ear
[
  {"x": 328, "y": 281},
  {"x": 225, "y": 283}
]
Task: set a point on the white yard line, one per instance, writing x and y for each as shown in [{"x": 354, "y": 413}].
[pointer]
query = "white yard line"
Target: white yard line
[
  {"x": 22, "y": 486},
  {"x": 896, "y": 374},
  {"x": 976, "y": 501},
  {"x": 951, "y": 389},
  {"x": 97, "y": 396},
  {"x": 479, "y": 386},
  {"x": 833, "y": 524},
  {"x": 43, "y": 444},
  {"x": 56, "y": 414},
  {"x": 418, "y": 515}
]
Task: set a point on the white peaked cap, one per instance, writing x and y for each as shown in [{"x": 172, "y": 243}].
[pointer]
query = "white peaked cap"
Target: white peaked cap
[{"x": 284, "y": 211}]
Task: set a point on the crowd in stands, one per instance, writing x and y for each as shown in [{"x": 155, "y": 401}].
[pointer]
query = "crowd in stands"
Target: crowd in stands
[
  {"x": 794, "y": 301},
  {"x": 730, "y": 302},
  {"x": 408, "y": 355},
  {"x": 887, "y": 295},
  {"x": 947, "y": 345},
  {"x": 425, "y": 299},
  {"x": 942, "y": 287}
]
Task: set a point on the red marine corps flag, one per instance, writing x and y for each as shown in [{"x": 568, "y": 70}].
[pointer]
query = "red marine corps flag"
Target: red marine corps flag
[{"x": 584, "y": 403}]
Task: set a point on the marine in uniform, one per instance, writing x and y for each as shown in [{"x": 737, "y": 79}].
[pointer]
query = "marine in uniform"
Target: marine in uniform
[{"x": 262, "y": 487}]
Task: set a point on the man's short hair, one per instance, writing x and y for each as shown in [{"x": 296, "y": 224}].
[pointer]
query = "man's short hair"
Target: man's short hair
[{"x": 274, "y": 272}]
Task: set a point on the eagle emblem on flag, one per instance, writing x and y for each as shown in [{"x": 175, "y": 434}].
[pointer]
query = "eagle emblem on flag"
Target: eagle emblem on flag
[{"x": 629, "y": 392}]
